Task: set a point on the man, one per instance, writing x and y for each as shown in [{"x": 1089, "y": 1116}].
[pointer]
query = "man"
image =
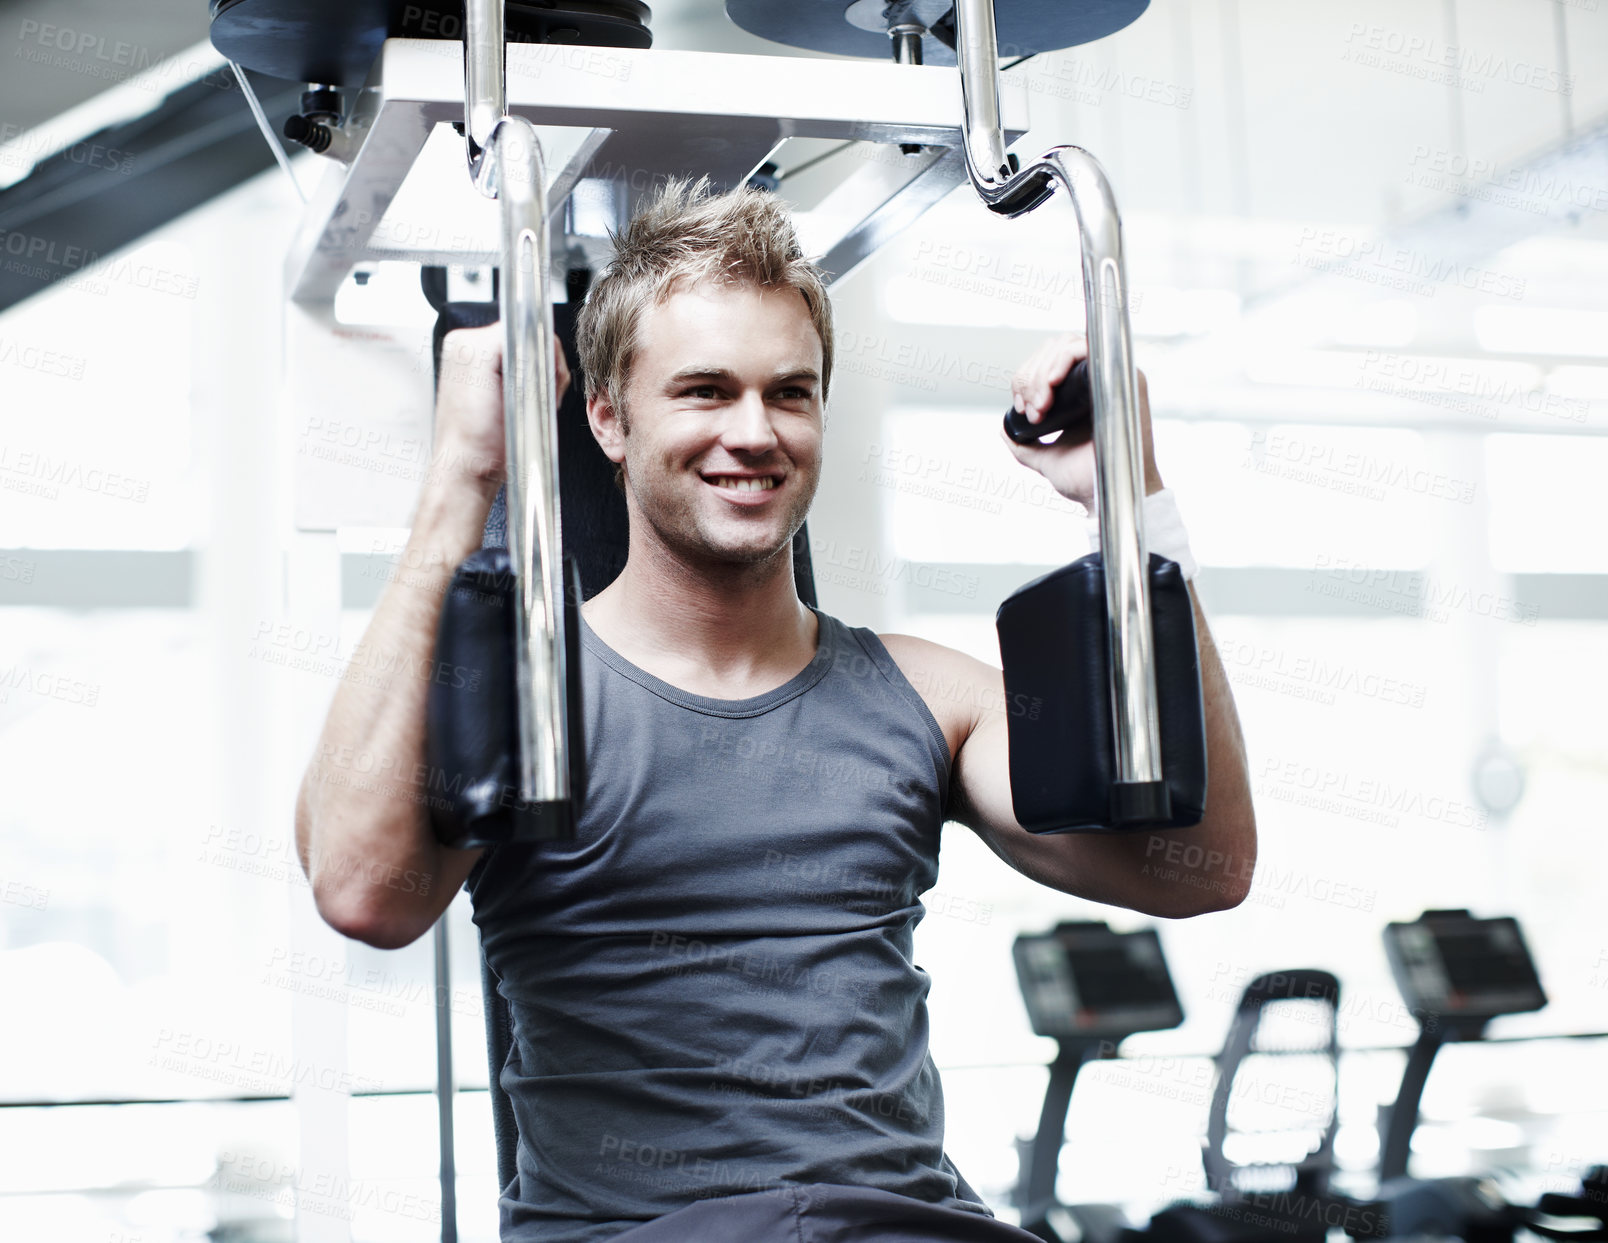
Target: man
[{"x": 720, "y": 1034}]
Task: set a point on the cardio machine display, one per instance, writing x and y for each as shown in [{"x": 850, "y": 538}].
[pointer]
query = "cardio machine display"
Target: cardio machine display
[
  {"x": 1084, "y": 981},
  {"x": 1453, "y": 968}
]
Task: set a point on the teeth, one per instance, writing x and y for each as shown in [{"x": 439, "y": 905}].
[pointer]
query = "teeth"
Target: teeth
[{"x": 742, "y": 485}]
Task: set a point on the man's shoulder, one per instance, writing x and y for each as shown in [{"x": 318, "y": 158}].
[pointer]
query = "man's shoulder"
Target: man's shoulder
[{"x": 951, "y": 683}]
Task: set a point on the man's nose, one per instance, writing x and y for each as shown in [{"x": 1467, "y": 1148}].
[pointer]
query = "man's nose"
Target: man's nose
[{"x": 748, "y": 425}]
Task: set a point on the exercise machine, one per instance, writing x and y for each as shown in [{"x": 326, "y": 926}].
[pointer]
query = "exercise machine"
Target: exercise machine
[
  {"x": 566, "y": 120},
  {"x": 1273, "y": 1181},
  {"x": 655, "y": 113},
  {"x": 1588, "y": 1206},
  {"x": 1456, "y": 973},
  {"x": 1089, "y": 988}
]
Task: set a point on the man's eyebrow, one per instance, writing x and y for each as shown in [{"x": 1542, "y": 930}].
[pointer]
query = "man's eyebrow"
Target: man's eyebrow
[
  {"x": 699, "y": 372},
  {"x": 702, "y": 372}
]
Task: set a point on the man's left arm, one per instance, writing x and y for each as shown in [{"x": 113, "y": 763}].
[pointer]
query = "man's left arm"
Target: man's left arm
[{"x": 1170, "y": 872}]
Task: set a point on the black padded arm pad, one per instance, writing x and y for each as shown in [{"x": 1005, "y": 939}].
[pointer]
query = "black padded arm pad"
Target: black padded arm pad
[
  {"x": 1053, "y": 646},
  {"x": 471, "y": 721}
]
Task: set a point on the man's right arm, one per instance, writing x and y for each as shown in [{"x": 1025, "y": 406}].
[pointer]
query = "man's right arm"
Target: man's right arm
[{"x": 363, "y": 830}]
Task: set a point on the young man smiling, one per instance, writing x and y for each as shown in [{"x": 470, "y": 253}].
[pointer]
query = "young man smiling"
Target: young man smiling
[{"x": 720, "y": 1033}]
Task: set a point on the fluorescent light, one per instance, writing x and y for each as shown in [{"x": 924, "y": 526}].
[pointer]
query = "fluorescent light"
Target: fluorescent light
[
  {"x": 1387, "y": 371},
  {"x": 1538, "y": 330},
  {"x": 1045, "y": 299},
  {"x": 1162, "y": 311},
  {"x": 1490, "y": 1134},
  {"x": 1390, "y": 323},
  {"x": 1317, "y": 318},
  {"x": 934, "y": 295},
  {"x": 1304, "y": 368},
  {"x": 1588, "y": 382}
]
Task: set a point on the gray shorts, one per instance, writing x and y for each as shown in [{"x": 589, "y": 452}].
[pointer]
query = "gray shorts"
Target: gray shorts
[{"x": 822, "y": 1213}]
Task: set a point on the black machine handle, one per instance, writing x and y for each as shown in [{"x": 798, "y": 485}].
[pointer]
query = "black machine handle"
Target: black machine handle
[{"x": 1071, "y": 410}]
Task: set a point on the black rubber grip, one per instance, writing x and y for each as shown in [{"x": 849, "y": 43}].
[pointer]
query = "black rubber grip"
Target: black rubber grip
[{"x": 1071, "y": 406}]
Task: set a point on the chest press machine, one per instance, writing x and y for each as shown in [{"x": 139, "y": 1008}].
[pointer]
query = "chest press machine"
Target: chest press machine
[{"x": 568, "y": 121}]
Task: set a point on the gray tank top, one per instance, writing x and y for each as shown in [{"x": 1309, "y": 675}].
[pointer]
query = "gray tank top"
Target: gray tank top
[{"x": 712, "y": 985}]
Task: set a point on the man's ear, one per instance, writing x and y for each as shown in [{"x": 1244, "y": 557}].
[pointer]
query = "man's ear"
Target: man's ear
[{"x": 605, "y": 425}]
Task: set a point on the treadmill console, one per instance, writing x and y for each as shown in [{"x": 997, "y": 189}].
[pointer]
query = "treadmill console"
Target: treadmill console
[
  {"x": 1452, "y": 967},
  {"x": 1083, "y": 981}
]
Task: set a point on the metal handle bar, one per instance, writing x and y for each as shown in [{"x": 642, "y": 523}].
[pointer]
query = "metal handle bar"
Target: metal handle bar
[
  {"x": 485, "y": 89},
  {"x": 1119, "y": 474},
  {"x": 505, "y": 160}
]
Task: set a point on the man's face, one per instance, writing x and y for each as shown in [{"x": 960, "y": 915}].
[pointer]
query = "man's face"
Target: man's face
[{"x": 724, "y": 402}]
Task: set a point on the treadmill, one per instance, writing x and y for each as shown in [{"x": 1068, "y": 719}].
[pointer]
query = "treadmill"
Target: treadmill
[
  {"x": 1456, "y": 973},
  {"x": 1089, "y": 988}
]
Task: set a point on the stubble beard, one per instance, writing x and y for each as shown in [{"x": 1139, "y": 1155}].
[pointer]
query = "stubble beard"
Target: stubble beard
[{"x": 682, "y": 529}]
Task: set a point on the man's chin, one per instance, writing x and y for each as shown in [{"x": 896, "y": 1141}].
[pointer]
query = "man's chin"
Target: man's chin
[
  {"x": 745, "y": 554},
  {"x": 714, "y": 546}
]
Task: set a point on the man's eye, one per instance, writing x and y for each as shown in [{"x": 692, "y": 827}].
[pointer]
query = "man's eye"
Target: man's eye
[
  {"x": 703, "y": 391},
  {"x": 794, "y": 393}
]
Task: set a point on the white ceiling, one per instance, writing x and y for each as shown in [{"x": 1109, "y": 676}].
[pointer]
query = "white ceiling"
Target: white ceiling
[
  {"x": 1264, "y": 108},
  {"x": 1253, "y": 143}
]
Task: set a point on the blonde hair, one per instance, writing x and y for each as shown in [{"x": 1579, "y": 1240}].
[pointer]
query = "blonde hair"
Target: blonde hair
[{"x": 689, "y": 234}]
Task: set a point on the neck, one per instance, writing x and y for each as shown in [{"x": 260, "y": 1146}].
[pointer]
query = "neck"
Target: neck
[{"x": 718, "y": 620}]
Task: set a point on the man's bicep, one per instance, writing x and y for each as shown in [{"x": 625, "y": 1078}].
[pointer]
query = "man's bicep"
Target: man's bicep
[
  {"x": 968, "y": 696},
  {"x": 980, "y": 794},
  {"x": 980, "y": 786},
  {"x": 1097, "y": 866}
]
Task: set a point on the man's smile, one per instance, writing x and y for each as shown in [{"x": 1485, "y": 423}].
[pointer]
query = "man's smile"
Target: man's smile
[{"x": 745, "y": 489}]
